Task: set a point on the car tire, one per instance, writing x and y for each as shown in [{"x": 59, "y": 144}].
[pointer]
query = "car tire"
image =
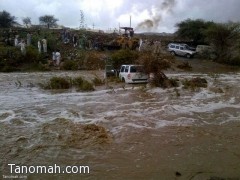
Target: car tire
[
  {"x": 172, "y": 53},
  {"x": 188, "y": 56}
]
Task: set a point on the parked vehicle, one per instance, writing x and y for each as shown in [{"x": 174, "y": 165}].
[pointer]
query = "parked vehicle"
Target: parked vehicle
[
  {"x": 181, "y": 50},
  {"x": 205, "y": 51},
  {"x": 133, "y": 74},
  {"x": 110, "y": 71},
  {"x": 201, "y": 48}
]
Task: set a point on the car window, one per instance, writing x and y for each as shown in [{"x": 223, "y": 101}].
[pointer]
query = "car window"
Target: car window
[
  {"x": 187, "y": 47},
  {"x": 122, "y": 69},
  {"x": 177, "y": 47},
  {"x": 172, "y": 46},
  {"x": 134, "y": 69},
  {"x": 181, "y": 48},
  {"x": 126, "y": 69}
]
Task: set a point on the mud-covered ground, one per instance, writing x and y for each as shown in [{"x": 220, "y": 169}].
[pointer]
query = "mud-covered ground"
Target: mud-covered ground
[{"x": 125, "y": 132}]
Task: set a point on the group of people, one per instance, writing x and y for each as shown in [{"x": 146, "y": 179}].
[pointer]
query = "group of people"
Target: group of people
[
  {"x": 42, "y": 44},
  {"x": 22, "y": 43},
  {"x": 68, "y": 37}
]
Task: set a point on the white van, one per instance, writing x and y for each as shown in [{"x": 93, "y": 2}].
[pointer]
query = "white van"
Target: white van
[{"x": 133, "y": 74}]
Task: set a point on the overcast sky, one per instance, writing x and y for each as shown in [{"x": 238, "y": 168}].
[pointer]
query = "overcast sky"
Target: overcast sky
[{"x": 146, "y": 15}]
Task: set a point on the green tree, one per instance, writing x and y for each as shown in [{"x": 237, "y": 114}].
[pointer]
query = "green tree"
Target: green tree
[
  {"x": 193, "y": 30},
  {"x": 123, "y": 56},
  {"x": 27, "y": 21},
  {"x": 225, "y": 39},
  {"x": 48, "y": 20},
  {"x": 6, "y": 20},
  {"x": 155, "y": 63}
]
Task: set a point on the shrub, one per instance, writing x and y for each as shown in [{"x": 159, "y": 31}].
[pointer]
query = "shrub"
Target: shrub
[
  {"x": 225, "y": 40},
  {"x": 161, "y": 80},
  {"x": 155, "y": 64},
  {"x": 86, "y": 86},
  {"x": 58, "y": 83},
  {"x": 97, "y": 81},
  {"x": 195, "y": 83},
  {"x": 123, "y": 56},
  {"x": 70, "y": 65},
  {"x": 31, "y": 56},
  {"x": 8, "y": 69},
  {"x": 10, "y": 56},
  {"x": 94, "y": 60},
  {"x": 35, "y": 39},
  {"x": 173, "y": 82},
  {"x": 77, "y": 81},
  {"x": 185, "y": 66},
  {"x": 35, "y": 67},
  {"x": 82, "y": 84},
  {"x": 66, "y": 83},
  {"x": 52, "y": 43}
]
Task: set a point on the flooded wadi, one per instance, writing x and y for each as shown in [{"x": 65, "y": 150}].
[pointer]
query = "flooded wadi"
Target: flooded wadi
[{"x": 129, "y": 132}]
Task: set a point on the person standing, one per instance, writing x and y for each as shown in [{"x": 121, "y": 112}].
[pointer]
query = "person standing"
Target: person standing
[
  {"x": 39, "y": 46},
  {"x": 140, "y": 44},
  {"x": 74, "y": 40},
  {"x": 29, "y": 37},
  {"x": 23, "y": 47},
  {"x": 54, "y": 58},
  {"x": 16, "y": 41},
  {"x": 58, "y": 57},
  {"x": 44, "y": 41}
]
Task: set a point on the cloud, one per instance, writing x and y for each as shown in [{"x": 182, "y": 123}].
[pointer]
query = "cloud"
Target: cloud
[{"x": 153, "y": 15}]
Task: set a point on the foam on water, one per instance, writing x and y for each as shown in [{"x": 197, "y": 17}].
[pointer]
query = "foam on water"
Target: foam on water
[
  {"x": 135, "y": 129},
  {"x": 6, "y": 115},
  {"x": 122, "y": 108}
]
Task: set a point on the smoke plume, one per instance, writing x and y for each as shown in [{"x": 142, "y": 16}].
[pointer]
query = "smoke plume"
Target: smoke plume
[
  {"x": 168, "y": 5},
  {"x": 155, "y": 20}
]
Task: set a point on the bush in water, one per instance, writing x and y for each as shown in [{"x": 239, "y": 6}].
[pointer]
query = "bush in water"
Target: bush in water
[
  {"x": 195, "y": 83},
  {"x": 65, "y": 83},
  {"x": 59, "y": 83},
  {"x": 86, "y": 86}
]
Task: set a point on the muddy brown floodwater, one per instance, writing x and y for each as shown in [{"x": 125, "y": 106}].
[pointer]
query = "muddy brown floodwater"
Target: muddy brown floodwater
[{"x": 123, "y": 133}]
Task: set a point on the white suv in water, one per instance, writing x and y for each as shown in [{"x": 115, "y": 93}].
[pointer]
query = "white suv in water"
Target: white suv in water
[
  {"x": 181, "y": 50},
  {"x": 133, "y": 74}
]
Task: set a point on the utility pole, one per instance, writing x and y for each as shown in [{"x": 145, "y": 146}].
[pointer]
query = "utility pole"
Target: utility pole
[
  {"x": 130, "y": 21},
  {"x": 82, "y": 20},
  {"x": 119, "y": 30}
]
